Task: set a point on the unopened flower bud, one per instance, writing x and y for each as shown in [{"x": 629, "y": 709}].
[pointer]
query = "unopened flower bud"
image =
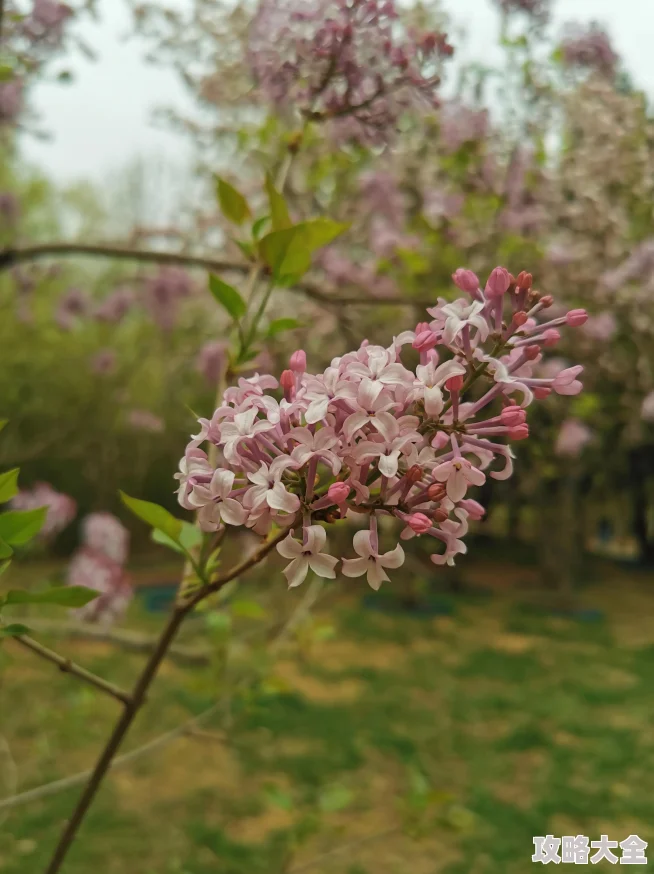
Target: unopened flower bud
[
  {"x": 546, "y": 301},
  {"x": 576, "y": 318},
  {"x": 540, "y": 393},
  {"x": 513, "y": 416},
  {"x": 419, "y": 523},
  {"x": 414, "y": 474},
  {"x": 440, "y": 515},
  {"x": 454, "y": 383},
  {"x": 520, "y": 432},
  {"x": 424, "y": 341},
  {"x": 550, "y": 337},
  {"x": 520, "y": 318},
  {"x": 473, "y": 508},
  {"x": 524, "y": 280},
  {"x": 338, "y": 492},
  {"x": 466, "y": 280},
  {"x": 531, "y": 353},
  {"x": 421, "y": 327},
  {"x": 287, "y": 382},
  {"x": 436, "y": 492},
  {"x": 298, "y": 361},
  {"x": 498, "y": 282}
]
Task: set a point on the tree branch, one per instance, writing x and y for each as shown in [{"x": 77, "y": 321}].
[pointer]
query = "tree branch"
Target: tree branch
[
  {"x": 11, "y": 257},
  {"x": 69, "y": 667}
]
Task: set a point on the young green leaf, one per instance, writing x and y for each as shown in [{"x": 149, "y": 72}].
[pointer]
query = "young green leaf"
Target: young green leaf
[
  {"x": 309, "y": 237},
  {"x": 13, "y": 630},
  {"x": 232, "y": 203},
  {"x": 278, "y": 797},
  {"x": 278, "y": 209},
  {"x": 228, "y": 297},
  {"x": 273, "y": 247},
  {"x": 154, "y": 515},
  {"x": 18, "y": 527},
  {"x": 279, "y": 326},
  {"x": 62, "y": 596},
  {"x": 259, "y": 225},
  {"x": 6, "y": 552},
  {"x": 8, "y": 485},
  {"x": 189, "y": 538},
  {"x": 3, "y": 422}
]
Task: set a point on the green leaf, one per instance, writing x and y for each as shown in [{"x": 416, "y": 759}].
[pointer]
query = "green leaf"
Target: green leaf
[
  {"x": 228, "y": 297},
  {"x": 155, "y": 516},
  {"x": 218, "y": 621},
  {"x": 4, "y": 564},
  {"x": 5, "y": 552},
  {"x": 63, "y": 596},
  {"x": 232, "y": 203},
  {"x": 6, "y": 72},
  {"x": 189, "y": 538},
  {"x": 247, "y": 249},
  {"x": 335, "y": 798},
  {"x": 18, "y": 527},
  {"x": 288, "y": 252},
  {"x": 3, "y": 422},
  {"x": 278, "y": 209},
  {"x": 278, "y": 797},
  {"x": 248, "y": 610},
  {"x": 258, "y": 226},
  {"x": 278, "y": 326},
  {"x": 8, "y": 485},
  {"x": 13, "y": 630}
]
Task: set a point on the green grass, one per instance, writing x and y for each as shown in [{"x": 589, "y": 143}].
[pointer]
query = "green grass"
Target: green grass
[{"x": 469, "y": 734}]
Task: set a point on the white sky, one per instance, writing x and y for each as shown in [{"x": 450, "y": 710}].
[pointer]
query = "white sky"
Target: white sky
[{"x": 104, "y": 117}]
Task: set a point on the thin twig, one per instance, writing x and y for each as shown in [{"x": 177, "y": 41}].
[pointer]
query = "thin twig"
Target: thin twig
[
  {"x": 179, "y": 613},
  {"x": 69, "y": 782},
  {"x": 129, "y": 640},
  {"x": 69, "y": 667}
]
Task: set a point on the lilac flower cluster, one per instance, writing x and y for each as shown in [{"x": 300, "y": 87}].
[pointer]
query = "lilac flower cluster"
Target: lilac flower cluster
[
  {"x": 371, "y": 436},
  {"x": 348, "y": 61},
  {"x": 537, "y": 9},
  {"x": 99, "y": 564},
  {"x": 164, "y": 292},
  {"x": 61, "y": 508},
  {"x": 590, "y": 48}
]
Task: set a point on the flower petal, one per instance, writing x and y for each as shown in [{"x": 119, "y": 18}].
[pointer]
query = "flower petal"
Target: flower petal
[
  {"x": 289, "y": 547},
  {"x": 232, "y": 512},
  {"x": 316, "y": 538},
  {"x": 361, "y": 543},
  {"x": 392, "y": 559},
  {"x": 296, "y": 571},
  {"x": 323, "y": 565},
  {"x": 376, "y": 575},
  {"x": 354, "y": 567}
]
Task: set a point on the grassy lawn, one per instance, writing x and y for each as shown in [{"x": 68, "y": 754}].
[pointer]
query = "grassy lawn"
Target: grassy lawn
[{"x": 436, "y": 744}]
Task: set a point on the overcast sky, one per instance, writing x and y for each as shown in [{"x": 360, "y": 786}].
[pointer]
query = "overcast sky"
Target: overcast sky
[{"x": 105, "y": 117}]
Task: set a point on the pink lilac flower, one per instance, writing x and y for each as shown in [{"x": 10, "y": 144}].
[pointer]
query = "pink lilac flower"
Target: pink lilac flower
[
  {"x": 460, "y": 124},
  {"x": 143, "y": 420},
  {"x": 104, "y": 361},
  {"x": 73, "y": 306},
  {"x": 94, "y": 570},
  {"x": 372, "y": 437},
  {"x": 590, "y": 48},
  {"x": 62, "y": 509},
  {"x": 370, "y": 561},
  {"x": 537, "y": 9},
  {"x": 211, "y": 361},
  {"x": 115, "y": 306},
  {"x": 572, "y": 438},
  {"x": 307, "y": 556},
  {"x": 164, "y": 292},
  {"x": 11, "y": 100},
  {"x": 348, "y": 63},
  {"x": 104, "y": 534}
]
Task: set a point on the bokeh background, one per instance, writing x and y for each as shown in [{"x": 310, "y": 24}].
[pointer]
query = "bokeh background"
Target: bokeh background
[{"x": 440, "y": 724}]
